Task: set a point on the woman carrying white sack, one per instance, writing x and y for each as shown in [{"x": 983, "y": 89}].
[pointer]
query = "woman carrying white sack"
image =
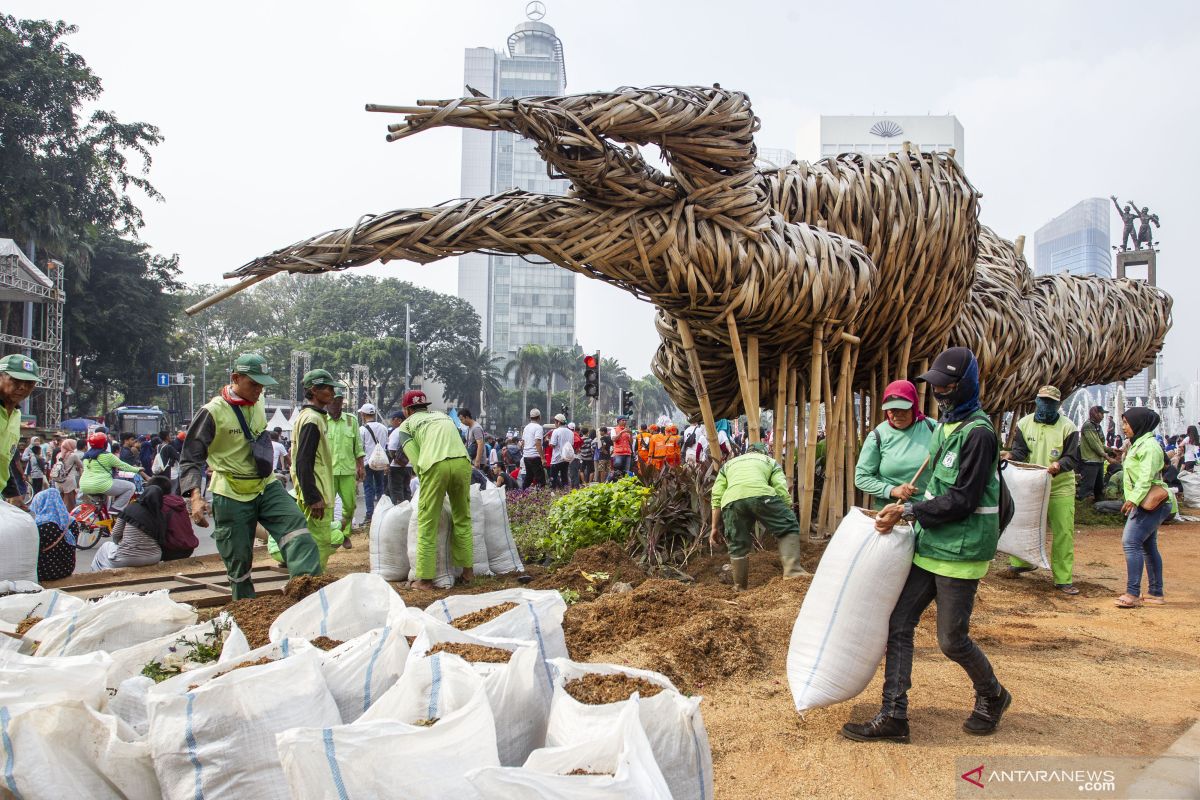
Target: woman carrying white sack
[{"x": 957, "y": 528}]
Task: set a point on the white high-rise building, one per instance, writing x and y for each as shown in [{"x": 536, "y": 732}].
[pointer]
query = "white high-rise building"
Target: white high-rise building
[
  {"x": 880, "y": 135},
  {"x": 519, "y": 300}
]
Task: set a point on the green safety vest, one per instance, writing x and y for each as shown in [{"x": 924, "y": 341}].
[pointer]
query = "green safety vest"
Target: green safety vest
[
  {"x": 230, "y": 455},
  {"x": 10, "y": 434},
  {"x": 1046, "y": 445},
  {"x": 974, "y": 537},
  {"x": 344, "y": 443},
  {"x": 323, "y": 465}
]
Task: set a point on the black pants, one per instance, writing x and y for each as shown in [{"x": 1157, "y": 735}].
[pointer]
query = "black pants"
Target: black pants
[
  {"x": 955, "y": 600},
  {"x": 1091, "y": 480},
  {"x": 559, "y": 475},
  {"x": 535, "y": 473},
  {"x": 398, "y": 478}
]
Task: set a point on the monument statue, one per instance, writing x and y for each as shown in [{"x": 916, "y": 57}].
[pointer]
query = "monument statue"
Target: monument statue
[
  {"x": 1127, "y": 215},
  {"x": 1145, "y": 237}
]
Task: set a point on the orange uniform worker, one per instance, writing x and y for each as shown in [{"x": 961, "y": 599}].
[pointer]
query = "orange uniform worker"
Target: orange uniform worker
[
  {"x": 655, "y": 452},
  {"x": 671, "y": 447}
]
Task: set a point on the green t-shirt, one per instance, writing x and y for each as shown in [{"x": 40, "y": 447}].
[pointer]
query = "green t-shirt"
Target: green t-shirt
[
  {"x": 967, "y": 570},
  {"x": 10, "y": 434},
  {"x": 428, "y": 437},
  {"x": 344, "y": 443}
]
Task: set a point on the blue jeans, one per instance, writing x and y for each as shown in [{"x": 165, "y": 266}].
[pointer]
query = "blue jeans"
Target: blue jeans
[
  {"x": 374, "y": 488},
  {"x": 1140, "y": 542},
  {"x": 620, "y": 467}
]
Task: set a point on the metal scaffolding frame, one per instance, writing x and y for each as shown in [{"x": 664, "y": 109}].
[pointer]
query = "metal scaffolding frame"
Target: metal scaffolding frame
[
  {"x": 301, "y": 363},
  {"x": 22, "y": 282},
  {"x": 360, "y": 386}
]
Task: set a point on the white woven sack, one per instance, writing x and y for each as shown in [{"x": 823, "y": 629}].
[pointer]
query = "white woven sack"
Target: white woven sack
[
  {"x": 389, "y": 540},
  {"x": 347, "y": 608},
  {"x": 841, "y": 632},
  {"x": 444, "y": 571},
  {"x": 1191, "y": 489},
  {"x": 384, "y": 754},
  {"x": 218, "y": 740},
  {"x": 479, "y": 551},
  {"x": 129, "y": 661},
  {"x": 111, "y": 623},
  {"x": 501, "y": 549},
  {"x": 18, "y": 545},
  {"x": 537, "y": 618},
  {"x": 1025, "y": 536},
  {"x": 519, "y": 692},
  {"x": 360, "y": 670},
  {"x": 672, "y": 723},
  {"x": 621, "y": 753},
  {"x": 71, "y": 750},
  {"x": 44, "y": 604},
  {"x": 27, "y": 681}
]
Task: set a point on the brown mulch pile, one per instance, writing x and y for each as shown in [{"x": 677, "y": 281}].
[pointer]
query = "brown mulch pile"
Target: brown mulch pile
[
  {"x": 258, "y": 662},
  {"x": 476, "y": 618},
  {"x": 24, "y": 625},
  {"x": 325, "y": 643},
  {"x": 255, "y": 615},
  {"x": 582, "y": 771},
  {"x": 594, "y": 689},
  {"x": 302, "y": 586},
  {"x": 426, "y": 723},
  {"x": 608, "y": 558},
  {"x": 689, "y": 637},
  {"x": 473, "y": 652}
]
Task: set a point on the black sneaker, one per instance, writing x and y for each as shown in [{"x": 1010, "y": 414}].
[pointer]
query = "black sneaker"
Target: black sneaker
[
  {"x": 881, "y": 729},
  {"x": 988, "y": 710}
]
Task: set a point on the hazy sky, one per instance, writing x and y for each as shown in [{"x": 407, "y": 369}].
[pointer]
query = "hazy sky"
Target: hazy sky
[{"x": 261, "y": 104}]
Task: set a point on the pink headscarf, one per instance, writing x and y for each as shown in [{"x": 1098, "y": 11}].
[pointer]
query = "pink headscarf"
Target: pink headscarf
[{"x": 907, "y": 391}]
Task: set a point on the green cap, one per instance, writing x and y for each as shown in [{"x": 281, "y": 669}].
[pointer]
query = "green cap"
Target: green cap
[
  {"x": 254, "y": 367},
  {"x": 897, "y": 403},
  {"x": 20, "y": 367},
  {"x": 758, "y": 447},
  {"x": 318, "y": 377},
  {"x": 339, "y": 389}
]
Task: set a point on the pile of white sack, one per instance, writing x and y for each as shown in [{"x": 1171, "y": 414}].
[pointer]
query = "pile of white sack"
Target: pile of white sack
[
  {"x": 394, "y": 539},
  {"x": 372, "y": 717}
]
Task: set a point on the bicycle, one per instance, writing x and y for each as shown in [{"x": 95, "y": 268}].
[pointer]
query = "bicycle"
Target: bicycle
[{"x": 92, "y": 521}]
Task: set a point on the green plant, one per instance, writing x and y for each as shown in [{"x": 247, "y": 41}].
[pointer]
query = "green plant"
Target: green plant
[
  {"x": 569, "y": 596},
  {"x": 204, "y": 649},
  {"x": 600, "y": 512},
  {"x": 676, "y": 517}
]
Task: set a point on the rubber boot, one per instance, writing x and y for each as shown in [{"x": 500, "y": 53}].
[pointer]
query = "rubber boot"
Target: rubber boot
[
  {"x": 789, "y": 556},
  {"x": 741, "y": 571}
]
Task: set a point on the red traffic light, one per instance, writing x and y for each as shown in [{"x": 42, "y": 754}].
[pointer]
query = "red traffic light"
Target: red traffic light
[{"x": 590, "y": 362}]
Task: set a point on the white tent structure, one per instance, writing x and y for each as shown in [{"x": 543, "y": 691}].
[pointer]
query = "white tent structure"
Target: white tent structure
[{"x": 278, "y": 420}]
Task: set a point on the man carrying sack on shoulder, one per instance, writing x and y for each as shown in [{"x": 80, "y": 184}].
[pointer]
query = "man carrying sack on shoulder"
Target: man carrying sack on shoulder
[
  {"x": 958, "y": 526},
  {"x": 225, "y": 434}
]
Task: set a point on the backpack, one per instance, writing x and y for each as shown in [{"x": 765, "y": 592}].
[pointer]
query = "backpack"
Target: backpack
[
  {"x": 378, "y": 460},
  {"x": 689, "y": 440},
  {"x": 59, "y": 472},
  {"x": 178, "y": 535},
  {"x": 568, "y": 452}
]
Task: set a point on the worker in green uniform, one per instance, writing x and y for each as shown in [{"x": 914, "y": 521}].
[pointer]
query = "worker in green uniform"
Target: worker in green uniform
[
  {"x": 244, "y": 493},
  {"x": 19, "y": 374},
  {"x": 312, "y": 462},
  {"x": 752, "y": 488},
  {"x": 436, "y": 452},
  {"x": 1051, "y": 440},
  {"x": 348, "y": 456},
  {"x": 894, "y": 453}
]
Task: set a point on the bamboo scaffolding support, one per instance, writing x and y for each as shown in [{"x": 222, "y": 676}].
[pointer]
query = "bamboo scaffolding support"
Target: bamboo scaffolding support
[
  {"x": 710, "y": 423},
  {"x": 755, "y": 396},
  {"x": 739, "y": 361},
  {"x": 791, "y": 428},
  {"x": 810, "y": 442},
  {"x": 780, "y": 417}
]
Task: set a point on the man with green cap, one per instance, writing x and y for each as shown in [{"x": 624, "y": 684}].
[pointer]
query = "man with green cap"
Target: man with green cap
[
  {"x": 752, "y": 488},
  {"x": 1051, "y": 440},
  {"x": 245, "y": 491},
  {"x": 19, "y": 374},
  {"x": 312, "y": 461},
  {"x": 348, "y": 455},
  {"x": 436, "y": 451}
]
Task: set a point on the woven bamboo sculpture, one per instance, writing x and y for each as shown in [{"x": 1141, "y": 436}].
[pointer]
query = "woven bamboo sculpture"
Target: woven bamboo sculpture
[{"x": 817, "y": 282}]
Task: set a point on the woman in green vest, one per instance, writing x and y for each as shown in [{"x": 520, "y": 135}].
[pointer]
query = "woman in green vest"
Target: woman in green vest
[
  {"x": 894, "y": 452},
  {"x": 1049, "y": 439},
  {"x": 958, "y": 526},
  {"x": 1142, "y": 473}
]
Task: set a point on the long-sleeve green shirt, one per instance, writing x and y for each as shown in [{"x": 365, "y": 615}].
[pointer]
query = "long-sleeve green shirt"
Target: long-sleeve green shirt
[
  {"x": 1091, "y": 443},
  {"x": 749, "y": 475},
  {"x": 97, "y": 473},
  {"x": 1142, "y": 469},
  {"x": 428, "y": 437},
  {"x": 891, "y": 457},
  {"x": 345, "y": 444}
]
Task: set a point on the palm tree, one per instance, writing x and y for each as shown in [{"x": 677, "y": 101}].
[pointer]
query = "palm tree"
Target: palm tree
[
  {"x": 478, "y": 378},
  {"x": 650, "y": 397},
  {"x": 555, "y": 361},
  {"x": 613, "y": 378},
  {"x": 525, "y": 369}
]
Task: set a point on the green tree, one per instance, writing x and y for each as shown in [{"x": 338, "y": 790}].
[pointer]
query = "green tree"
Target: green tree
[
  {"x": 65, "y": 180},
  {"x": 613, "y": 379},
  {"x": 524, "y": 369},
  {"x": 555, "y": 361},
  {"x": 477, "y": 377}
]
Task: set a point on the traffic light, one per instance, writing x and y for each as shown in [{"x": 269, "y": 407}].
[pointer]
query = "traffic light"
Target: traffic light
[
  {"x": 626, "y": 403},
  {"x": 591, "y": 374}
]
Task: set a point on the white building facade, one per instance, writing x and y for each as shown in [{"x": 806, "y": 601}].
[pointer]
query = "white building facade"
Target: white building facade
[{"x": 879, "y": 135}]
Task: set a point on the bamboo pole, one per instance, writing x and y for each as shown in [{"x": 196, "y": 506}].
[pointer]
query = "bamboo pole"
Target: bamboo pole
[
  {"x": 739, "y": 361},
  {"x": 789, "y": 466},
  {"x": 755, "y": 396},
  {"x": 853, "y": 433},
  {"x": 832, "y": 488},
  {"x": 810, "y": 442},
  {"x": 706, "y": 412},
  {"x": 923, "y": 366},
  {"x": 875, "y": 403},
  {"x": 780, "y": 408},
  {"x": 226, "y": 293},
  {"x": 905, "y": 355}
]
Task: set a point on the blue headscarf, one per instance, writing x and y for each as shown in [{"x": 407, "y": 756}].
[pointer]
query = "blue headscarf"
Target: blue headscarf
[
  {"x": 48, "y": 506},
  {"x": 723, "y": 425},
  {"x": 965, "y": 396}
]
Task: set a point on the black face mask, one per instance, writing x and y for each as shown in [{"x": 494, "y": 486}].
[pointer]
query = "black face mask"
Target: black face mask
[{"x": 945, "y": 400}]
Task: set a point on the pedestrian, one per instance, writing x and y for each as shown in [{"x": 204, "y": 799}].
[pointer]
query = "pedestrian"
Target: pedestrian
[
  {"x": 223, "y": 436},
  {"x": 281, "y": 463},
  {"x": 398, "y": 470},
  {"x": 655, "y": 457},
  {"x": 35, "y": 464},
  {"x": 128, "y": 443},
  {"x": 138, "y": 533},
  {"x": 1191, "y": 447},
  {"x": 752, "y": 489},
  {"x": 435, "y": 449},
  {"x": 1146, "y": 507},
  {"x": 575, "y": 464},
  {"x": 65, "y": 473},
  {"x": 1093, "y": 454},
  {"x": 689, "y": 443},
  {"x": 349, "y": 456},
  {"x": 562, "y": 445},
  {"x": 374, "y": 434},
  {"x": 670, "y": 450},
  {"x": 97, "y": 478},
  {"x": 56, "y": 541},
  {"x": 531, "y": 452},
  {"x": 476, "y": 443},
  {"x": 642, "y": 446},
  {"x": 724, "y": 442},
  {"x": 587, "y": 456},
  {"x": 512, "y": 454},
  {"x": 1050, "y": 439},
  {"x": 957, "y": 528},
  {"x": 894, "y": 452},
  {"x": 622, "y": 450},
  {"x": 604, "y": 455},
  {"x": 312, "y": 462}
]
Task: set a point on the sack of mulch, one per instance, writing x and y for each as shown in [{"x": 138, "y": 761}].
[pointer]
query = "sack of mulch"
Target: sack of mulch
[
  {"x": 841, "y": 632},
  {"x": 503, "y": 557},
  {"x": 360, "y": 670},
  {"x": 359, "y": 602},
  {"x": 389, "y": 539},
  {"x": 212, "y": 731},
  {"x": 28, "y": 681},
  {"x": 175, "y": 651},
  {"x": 444, "y": 570},
  {"x": 418, "y": 741},
  {"x": 672, "y": 722},
  {"x": 537, "y": 616},
  {"x": 19, "y": 543},
  {"x": 1025, "y": 536},
  {"x": 45, "y": 604},
  {"x": 616, "y": 765},
  {"x": 519, "y": 690},
  {"x": 479, "y": 540},
  {"x": 1191, "y": 489},
  {"x": 111, "y": 623}
]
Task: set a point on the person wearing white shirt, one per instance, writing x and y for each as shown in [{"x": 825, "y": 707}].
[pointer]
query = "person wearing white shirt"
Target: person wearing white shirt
[
  {"x": 701, "y": 448},
  {"x": 373, "y": 433},
  {"x": 689, "y": 450},
  {"x": 531, "y": 453},
  {"x": 398, "y": 470},
  {"x": 559, "y": 439}
]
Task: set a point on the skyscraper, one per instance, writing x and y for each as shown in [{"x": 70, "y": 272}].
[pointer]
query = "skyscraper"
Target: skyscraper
[
  {"x": 1077, "y": 241},
  {"x": 520, "y": 300},
  {"x": 878, "y": 136}
]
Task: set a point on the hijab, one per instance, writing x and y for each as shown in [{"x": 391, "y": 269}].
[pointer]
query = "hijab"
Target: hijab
[
  {"x": 907, "y": 391},
  {"x": 1141, "y": 421},
  {"x": 723, "y": 425},
  {"x": 48, "y": 506},
  {"x": 965, "y": 396},
  {"x": 146, "y": 513}
]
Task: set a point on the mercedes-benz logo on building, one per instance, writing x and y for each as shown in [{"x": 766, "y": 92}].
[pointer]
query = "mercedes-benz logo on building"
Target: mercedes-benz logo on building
[{"x": 535, "y": 10}]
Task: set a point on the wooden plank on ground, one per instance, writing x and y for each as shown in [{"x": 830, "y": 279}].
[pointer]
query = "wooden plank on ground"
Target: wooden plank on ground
[{"x": 200, "y": 589}]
